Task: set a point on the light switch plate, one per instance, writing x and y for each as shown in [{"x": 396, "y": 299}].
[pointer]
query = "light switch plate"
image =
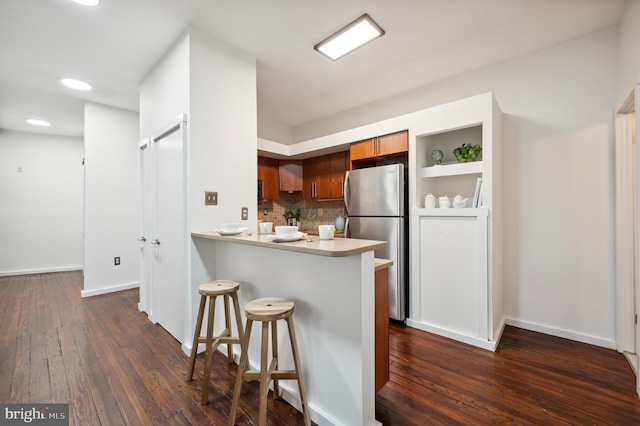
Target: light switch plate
[
  {"x": 245, "y": 213},
  {"x": 210, "y": 198}
]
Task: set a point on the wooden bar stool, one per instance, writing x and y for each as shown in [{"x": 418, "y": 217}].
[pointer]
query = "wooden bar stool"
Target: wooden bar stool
[
  {"x": 268, "y": 311},
  {"x": 211, "y": 290}
]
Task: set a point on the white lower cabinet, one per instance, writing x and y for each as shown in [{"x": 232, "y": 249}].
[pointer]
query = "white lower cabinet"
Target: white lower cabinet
[{"x": 451, "y": 295}]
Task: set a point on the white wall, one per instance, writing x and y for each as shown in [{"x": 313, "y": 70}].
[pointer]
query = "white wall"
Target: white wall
[
  {"x": 558, "y": 178},
  {"x": 629, "y": 51},
  {"x": 223, "y": 133},
  {"x": 111, "y": 199},
  {"x": 164, "y": 93},
  {"x": 40, "y": 207}
]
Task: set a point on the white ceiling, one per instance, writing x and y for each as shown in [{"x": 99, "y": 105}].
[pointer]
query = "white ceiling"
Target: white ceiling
[{"x": 116, "y": 44}]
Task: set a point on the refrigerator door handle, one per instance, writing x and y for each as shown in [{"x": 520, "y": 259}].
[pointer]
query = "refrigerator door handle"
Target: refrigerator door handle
[
  {"x": 345, "y": 191},
  {"x": 346, "y": 228}
]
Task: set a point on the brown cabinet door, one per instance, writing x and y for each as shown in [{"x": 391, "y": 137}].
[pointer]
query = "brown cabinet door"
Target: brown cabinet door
[
  {"x": 362, "y": 149},
  {"x": 324, "y": 176},
  {"x": 338, "y": 164},
  {"x": 309, "y": 177},
  {"x": 268, "y": 170},
  {"x": 393, "y": 144},
  {"x": 290, "y": 176}
]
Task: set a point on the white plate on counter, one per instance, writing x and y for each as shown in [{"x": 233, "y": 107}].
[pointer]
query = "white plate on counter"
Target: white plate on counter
[
  {"x": 282, "y": 239},
  {"x": 227, "y": 233}
]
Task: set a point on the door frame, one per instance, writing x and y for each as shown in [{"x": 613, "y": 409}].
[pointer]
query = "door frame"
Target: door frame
[
  {"x": 144, "y": 166},
  {"x": 625, "y": 226}
]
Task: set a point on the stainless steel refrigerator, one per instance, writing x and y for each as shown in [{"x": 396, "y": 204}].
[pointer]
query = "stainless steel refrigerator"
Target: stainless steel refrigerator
[{"x": 375, "y": 202}]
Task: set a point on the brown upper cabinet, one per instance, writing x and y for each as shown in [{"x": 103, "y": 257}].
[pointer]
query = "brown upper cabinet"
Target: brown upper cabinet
[
  {"x": 323, "y": 176},
  {"x": 381, "y": 146},
  {"x": 290, "y": 175},
  {"x": 268, "y": 171}
]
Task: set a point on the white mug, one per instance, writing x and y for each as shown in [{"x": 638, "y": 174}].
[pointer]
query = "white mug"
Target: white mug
[
  {"x": 326, "y": 232},
  {"x": 266, "y": 227}
]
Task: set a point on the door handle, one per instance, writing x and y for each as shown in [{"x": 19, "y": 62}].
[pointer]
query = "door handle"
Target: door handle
[
  {"x": 345, "y": 190},
  {"x": 156, "y": 242},
  {"x": 143, "y": 239}
]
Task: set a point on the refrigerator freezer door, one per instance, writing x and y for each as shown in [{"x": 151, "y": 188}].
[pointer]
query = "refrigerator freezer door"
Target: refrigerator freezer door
[
  {"x": 391, "y": 230},
  {"x": 376, "y": 191}
]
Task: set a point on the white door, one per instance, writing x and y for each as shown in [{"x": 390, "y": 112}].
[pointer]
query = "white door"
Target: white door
[
  {"x": 144, "y": 163},
  {"x": 168, "y": 239}
]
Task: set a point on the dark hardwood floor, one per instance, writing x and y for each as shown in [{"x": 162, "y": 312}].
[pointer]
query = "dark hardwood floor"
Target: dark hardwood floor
[{"x": 114, "y": 367}]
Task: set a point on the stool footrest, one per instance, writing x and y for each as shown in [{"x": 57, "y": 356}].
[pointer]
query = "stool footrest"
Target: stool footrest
[{"x": 250, "y": 375}]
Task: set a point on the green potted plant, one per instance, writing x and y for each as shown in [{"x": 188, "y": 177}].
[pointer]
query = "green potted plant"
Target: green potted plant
[{"x": 292, "y": 216}]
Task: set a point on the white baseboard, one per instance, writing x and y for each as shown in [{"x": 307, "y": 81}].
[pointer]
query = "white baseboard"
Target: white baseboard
[
  {"x": 41, "y": 271},
  {"x": 565, "y": 334},
  {"x": 112, "y": 289},
  {"x": 481, "y": 343}
]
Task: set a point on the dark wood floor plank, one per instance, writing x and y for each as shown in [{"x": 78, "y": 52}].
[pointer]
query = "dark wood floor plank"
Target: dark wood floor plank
[
  {"x": 57, "y": 375},
  {"x": 114, "y": 366},
  {"x": 20, "y": 388}
]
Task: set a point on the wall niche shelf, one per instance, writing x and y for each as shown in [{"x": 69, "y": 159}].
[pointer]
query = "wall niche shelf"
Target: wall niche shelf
[
  {"x": 464, "y": 303},
  {"x": 451, "y": 169},
  {"x": 453, "y": 212}
]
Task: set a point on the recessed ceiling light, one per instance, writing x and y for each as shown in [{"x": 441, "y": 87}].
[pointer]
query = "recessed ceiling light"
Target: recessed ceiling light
[
  {"x": 356, "y": 34},
  {"x": 37, "y": 122},
  {"x": 88, "y": 2},
  {"x": 75, "y": 84}
]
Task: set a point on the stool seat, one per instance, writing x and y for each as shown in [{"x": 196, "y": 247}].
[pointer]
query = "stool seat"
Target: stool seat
[
  {"x": 269, "y": 309},
  {"x": 218, "y": 287},
  {"x": 228, "y": 290}
]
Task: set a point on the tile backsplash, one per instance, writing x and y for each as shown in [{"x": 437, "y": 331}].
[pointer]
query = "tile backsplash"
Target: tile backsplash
[{"x": 312, "y": 212}]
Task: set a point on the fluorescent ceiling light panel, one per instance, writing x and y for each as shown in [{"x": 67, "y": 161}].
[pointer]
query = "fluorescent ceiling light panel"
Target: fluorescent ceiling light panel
[
  {"x": 37, "y": 122},
  {"x": 75, "y": 84},
  {"x": 88, "y": 2},
  {"x": 356, "y": 34}
]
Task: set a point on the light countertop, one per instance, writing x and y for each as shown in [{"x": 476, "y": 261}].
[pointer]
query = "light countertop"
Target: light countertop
[
  {"x": 338, "y": 247},
  {"x": 381, "y": 264}
]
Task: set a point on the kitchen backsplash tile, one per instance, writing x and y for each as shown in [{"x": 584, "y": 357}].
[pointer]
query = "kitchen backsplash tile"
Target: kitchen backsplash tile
[{"x": 310, "y": 216}]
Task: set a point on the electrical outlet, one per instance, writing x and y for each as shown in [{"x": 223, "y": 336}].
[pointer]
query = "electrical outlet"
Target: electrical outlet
[
  {"x": 320, "y": 212},
  {"x": 210, "y": 198},
  {"x": 245, "y": 213},
  {"x": 116, "y": 260}
]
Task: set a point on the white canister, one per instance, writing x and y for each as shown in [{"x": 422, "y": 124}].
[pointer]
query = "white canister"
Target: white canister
[
  {"x": 444, "y": 202},
  {"x": 430, "y": 201}
]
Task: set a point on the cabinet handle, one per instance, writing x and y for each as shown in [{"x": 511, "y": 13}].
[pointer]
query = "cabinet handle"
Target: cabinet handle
[
  {"x": 156, "y": 242},
  {"x": 143, "y": 239}
]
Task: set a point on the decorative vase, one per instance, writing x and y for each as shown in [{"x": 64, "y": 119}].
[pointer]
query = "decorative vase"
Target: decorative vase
[
  {"x": 340, "y": 223},
  {"x": 436, "y": 156}
]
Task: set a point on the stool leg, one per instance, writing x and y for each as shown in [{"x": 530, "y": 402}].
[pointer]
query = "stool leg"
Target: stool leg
[
  {"x": 242, "y": 367},
  {"x": 236, "y": 308},
  {"x": 196, "y": 337},
  {"x": 207, "y": 358},
  {"x": 274, "y": 355},
  {"x": 296, "y": 361},
  {"x": 227, "y": 324},
  {"x": 264, "y": 375}
]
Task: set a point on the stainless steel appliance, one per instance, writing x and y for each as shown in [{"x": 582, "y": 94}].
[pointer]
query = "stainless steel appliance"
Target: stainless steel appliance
[{"x": 375, "y": 202}]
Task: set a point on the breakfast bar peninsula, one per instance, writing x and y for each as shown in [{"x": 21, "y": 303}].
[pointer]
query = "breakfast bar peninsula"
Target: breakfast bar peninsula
[{"x": 332, "y": 285}]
